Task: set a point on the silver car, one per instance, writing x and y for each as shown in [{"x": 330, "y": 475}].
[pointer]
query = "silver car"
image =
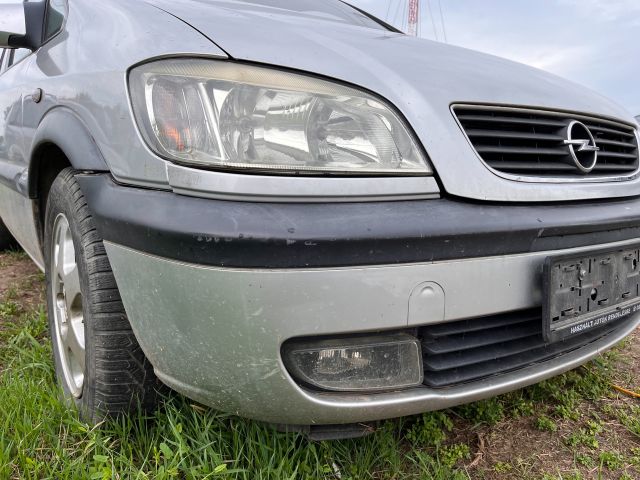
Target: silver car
[{"x": 291, "y": 211}]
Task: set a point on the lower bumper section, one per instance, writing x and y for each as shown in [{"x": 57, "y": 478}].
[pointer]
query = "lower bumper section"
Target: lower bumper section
[
  {"x": 215, "y": 334},
  {"x": 309, "y": 408}
]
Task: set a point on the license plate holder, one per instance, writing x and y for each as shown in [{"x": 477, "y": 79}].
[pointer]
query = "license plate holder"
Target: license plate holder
[{"x": 588, "y": 290}]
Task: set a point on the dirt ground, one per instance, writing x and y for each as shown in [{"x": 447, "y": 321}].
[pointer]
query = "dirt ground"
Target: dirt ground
[
  {"x": 21, "y": 282},
  {"x": 599, "y": 440},
  {"x": 602, "y": 441}
]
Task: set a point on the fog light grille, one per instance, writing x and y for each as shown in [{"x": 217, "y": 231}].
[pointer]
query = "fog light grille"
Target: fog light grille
[{"x": 469, "y": 350}]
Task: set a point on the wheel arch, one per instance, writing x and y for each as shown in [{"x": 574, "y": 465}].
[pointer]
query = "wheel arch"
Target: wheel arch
[
  {"x": 61, "y": 140},
  {"x": 62, "y": 128}
]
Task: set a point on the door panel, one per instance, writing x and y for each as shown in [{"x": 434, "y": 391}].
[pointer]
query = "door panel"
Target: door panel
[{"x": 16, "y": 210}]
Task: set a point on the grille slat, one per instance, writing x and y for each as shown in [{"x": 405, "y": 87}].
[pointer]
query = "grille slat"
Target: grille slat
[
  {"x": 469, "y": 350},
  {"x": 456, "y": 360},
  {"x": 522, "y": 150},
  {"x": 605, "y": 153},
  {"x": 615, "y": 168},
  {"x": 559, "y": 166},
  {"x": 467, "y": 326},
  {"x": 511, "y": 120},
  {"x": 596, "y": 128},
  {"x": 515, "y": 135},
  {"x": 521, "y": 166},
  {"x": 530, "y": 142},
  {"x": 468, "y": 341},
  {"x": 615, "y": 143}
]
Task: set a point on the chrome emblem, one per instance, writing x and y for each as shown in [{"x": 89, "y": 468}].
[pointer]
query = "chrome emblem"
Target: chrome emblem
[{"x": 582, "y": 146}]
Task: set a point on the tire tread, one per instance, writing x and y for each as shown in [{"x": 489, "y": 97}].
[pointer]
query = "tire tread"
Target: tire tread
[{"x": 122, "y": 379}]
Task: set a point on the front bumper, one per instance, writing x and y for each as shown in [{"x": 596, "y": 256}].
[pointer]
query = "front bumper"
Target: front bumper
[{"x": 215, "y": 332}]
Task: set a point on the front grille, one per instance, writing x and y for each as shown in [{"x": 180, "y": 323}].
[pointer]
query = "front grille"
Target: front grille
[
  {"x": 527, "y": 142},
  {"x": 467, "y": 350}
]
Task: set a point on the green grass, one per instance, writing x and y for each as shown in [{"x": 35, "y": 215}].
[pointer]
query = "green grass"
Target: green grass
[{"x": 41, "y": 438}]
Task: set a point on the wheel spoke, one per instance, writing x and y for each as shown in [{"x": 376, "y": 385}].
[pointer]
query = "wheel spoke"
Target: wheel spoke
[
  {"x": 59, "y": 257},
  {"x": 71, "y": 280},
  {"x": 63, "y": 331},
  {"x": 62, "y": 246},
  {"x": 75, "y": 343}
]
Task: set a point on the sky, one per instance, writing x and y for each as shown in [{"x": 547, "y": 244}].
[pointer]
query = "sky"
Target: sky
[{"x": 592, "y": 42}]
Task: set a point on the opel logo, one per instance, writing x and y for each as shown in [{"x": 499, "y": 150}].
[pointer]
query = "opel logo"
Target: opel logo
[{"x": 582, "y": 146}]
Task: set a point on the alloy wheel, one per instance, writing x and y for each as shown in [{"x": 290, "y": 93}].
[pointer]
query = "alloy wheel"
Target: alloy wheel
[{"x": 67, "y": 302}]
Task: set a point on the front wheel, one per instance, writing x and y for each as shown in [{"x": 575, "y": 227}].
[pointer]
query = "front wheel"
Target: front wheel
[{"x": 98, "y": 361}]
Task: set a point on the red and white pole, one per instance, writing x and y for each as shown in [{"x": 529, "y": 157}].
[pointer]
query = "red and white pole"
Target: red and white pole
[{"x": 414, "y": 6}]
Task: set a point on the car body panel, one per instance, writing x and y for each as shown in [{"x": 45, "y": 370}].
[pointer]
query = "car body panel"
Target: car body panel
[
  {"x": 215, "y": 334},
  {"x": 90, "y": 89},
  {"x": 279, "y": 235},
  {"x": 93, "y": 86},
  {"x": 213, "y": 327},
  {"x": 16, "y": 210},
  {"x": 422, "y": 81},
  {"x": 419, "y": 77}
]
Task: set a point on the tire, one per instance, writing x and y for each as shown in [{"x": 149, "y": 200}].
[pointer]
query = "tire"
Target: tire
[
  {"x": 110, "y": 375},
  {"x": 7, "y": 241}
]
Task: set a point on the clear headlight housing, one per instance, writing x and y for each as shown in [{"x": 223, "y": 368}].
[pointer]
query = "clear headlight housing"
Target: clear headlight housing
[{"x": 224, "y": 115}]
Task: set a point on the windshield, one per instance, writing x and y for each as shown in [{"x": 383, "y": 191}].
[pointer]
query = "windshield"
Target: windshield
[{"x": 592, "y": 42}]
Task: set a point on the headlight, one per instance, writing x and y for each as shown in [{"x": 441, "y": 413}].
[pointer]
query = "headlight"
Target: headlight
[{"x": 224, "y": 115}]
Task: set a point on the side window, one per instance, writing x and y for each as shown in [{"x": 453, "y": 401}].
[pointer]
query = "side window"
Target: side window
[
  {"x": 2, "y": 52},
  {"x": 17, "y": 55},
  {"x": 56, "y": 11}
]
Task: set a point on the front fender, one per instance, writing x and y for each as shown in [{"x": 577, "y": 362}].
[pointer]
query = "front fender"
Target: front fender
[{"x": 62, "y": 127}]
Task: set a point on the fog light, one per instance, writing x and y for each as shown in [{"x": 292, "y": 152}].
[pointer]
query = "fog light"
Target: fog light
[{"x": 357, "y": 364}]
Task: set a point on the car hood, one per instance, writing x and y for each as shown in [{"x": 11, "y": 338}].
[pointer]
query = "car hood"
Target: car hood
[
  {"x": 421, "y": 78},
  {"x": 283, "y": 33}
]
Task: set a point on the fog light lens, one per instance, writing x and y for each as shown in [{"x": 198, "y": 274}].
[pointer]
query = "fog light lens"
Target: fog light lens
[{"x": 357, "y": 364}]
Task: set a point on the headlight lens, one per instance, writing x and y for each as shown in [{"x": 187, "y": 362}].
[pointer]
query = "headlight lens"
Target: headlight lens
[{"x": 225, "y": 115}]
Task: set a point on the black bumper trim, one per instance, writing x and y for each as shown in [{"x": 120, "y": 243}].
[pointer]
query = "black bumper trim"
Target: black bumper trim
[{"x": 287, "y": 235}]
